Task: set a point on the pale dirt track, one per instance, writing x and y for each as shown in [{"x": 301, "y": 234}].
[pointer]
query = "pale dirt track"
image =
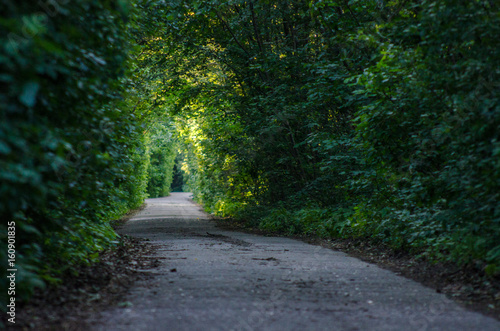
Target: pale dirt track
[{"x": 217, "y": 280}]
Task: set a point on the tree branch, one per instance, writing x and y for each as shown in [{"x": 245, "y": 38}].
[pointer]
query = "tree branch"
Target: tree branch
[{"x": 231, "y": 32}]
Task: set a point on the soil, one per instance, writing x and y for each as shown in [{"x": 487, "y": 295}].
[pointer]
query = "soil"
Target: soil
[
  {"x": 467, "y": 285},
  {"x": 88, "y": 290}
]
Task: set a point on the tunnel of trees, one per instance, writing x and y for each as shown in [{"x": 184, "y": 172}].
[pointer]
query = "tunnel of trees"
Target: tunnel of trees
[{"x": 363, "y": 118}]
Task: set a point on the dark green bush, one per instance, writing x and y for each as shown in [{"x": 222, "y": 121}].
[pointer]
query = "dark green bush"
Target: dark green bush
[
  {"x": 431, "y": 132},
  {"x": 69, "y": 142}
]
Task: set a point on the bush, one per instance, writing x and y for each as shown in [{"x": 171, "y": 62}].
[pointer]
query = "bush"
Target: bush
[
  {"x": 69, "y": 142},
  {"x": 430, "y": 131},
  {"x": 162, "y": 151}
]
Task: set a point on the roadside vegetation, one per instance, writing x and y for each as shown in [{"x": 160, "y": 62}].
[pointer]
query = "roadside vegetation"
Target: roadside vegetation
[
  {"x": 364, "y": 119},
  {"x": 367, "y": 119},
  {"x": 79, "y": 145}
]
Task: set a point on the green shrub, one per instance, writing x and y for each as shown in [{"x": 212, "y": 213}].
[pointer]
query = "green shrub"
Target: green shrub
[
  {"x": 162, "y": 151},
  {"x": 430, "y": 131},
  {"x": 69, "y": 140}
]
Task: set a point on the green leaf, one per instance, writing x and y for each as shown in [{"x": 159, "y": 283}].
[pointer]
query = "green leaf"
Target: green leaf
[
  {"x": 29, "y": 93},
  {"x": 4, "y": 148}
]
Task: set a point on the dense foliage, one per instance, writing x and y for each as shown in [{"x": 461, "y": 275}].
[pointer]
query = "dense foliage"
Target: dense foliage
[
  {"x": 340, "y": 118},
  {"x": 73, "y": 152},
  {"x": 431, "y": 131},
  {"x": 162, "y": 153},
  {"x": 377, "y": 119}
]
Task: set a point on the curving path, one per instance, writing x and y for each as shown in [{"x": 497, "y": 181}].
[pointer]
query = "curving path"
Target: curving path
[{"x": 217, "y": 280}]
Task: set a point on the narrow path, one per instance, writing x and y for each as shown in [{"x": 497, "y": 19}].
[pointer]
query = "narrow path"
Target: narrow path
[{"x": 217, "y": 280}]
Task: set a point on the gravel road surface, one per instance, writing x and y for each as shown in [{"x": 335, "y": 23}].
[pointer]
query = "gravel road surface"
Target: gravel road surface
[{"x": 211, "y": 279}]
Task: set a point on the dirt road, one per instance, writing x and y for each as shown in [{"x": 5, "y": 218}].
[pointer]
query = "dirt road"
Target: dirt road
[{"x": 217, "y": 280}]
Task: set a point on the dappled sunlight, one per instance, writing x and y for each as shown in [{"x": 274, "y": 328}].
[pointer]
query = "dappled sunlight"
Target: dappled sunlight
[{"x": 372, "y": 125}]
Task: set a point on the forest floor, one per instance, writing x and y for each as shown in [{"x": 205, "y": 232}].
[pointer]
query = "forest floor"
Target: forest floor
[
  {"x": 190, "y": 271},
  {"x": 90, "y": 289}
]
